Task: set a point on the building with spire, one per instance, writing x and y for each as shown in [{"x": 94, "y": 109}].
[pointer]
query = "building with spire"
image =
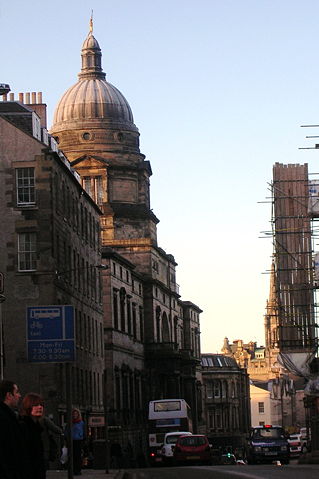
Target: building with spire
[{"x": 151, "y": 336}]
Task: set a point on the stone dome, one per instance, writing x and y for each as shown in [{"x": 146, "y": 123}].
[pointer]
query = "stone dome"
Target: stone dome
[{"x": 92, "y": 99}]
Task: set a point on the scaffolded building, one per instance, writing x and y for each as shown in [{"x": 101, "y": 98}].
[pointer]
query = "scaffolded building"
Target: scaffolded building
[{"x": 293, "y": 197}]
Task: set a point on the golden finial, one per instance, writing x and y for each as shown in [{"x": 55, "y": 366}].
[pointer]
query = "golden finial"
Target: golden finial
[{"x": 91, "y": 22}]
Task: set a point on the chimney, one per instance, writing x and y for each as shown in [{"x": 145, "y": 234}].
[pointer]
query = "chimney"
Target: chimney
[{"x": 39, "y": 107}]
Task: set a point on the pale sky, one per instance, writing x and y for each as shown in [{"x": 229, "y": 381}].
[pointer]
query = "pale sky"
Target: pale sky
[{"x": 218, "y": 90}]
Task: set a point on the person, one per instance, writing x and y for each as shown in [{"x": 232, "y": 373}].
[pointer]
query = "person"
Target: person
[
  {"x": 51, "y": 438},
  {"x": 14, "y": 462},
  {"x": 78, "y": 436},
  {"x": 31, "y": 412}
]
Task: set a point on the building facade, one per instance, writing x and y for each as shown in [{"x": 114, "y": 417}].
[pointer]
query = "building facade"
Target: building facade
[
  {"x": 226, "y": 403},
  {"x": 151, "y": 336},
  {"x": 136, "y": 339},
  {"x": 50, "y": 255}
]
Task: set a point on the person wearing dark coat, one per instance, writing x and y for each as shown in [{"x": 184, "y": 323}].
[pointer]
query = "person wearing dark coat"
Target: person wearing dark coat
[
  {"x": 14, "y": 462},
  {"x": 31, "y": 413},
  {"x": 50, "y": 431}
]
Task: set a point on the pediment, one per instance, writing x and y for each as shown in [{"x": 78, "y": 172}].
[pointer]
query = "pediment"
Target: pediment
[{"x": 89, "y": 161}]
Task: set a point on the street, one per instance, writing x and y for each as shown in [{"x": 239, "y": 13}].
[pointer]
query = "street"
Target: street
[{"x": 292, "y": 471}]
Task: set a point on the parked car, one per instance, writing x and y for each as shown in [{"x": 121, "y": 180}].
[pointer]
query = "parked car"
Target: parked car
[
  {"x": 170, "y": 439},
  {"x": 295, "y": 444},
  {"x": 267, "y": 444},
  {"x": 192, "y": 448},
  {"x": 305, "y": 439}
]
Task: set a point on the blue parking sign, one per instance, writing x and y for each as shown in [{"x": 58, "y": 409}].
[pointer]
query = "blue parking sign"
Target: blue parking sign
[{"x": 50, "y": 334}]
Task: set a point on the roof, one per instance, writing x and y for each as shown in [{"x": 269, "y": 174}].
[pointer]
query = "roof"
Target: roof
[
  {"x": 218, "y": 361},
  {"x": 92, "y": 98}
]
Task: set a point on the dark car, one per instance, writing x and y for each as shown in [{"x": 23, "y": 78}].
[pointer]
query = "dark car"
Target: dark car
[
  {"x": 191, "y": 449},
  {"x": 267, "y": 444}
]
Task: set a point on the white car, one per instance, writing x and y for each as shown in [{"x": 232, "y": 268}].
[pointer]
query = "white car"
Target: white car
[
  {"x": 305, "y": 439},
  {"x": 295, "y": 444},
  {"x": 170, "y": 439}
]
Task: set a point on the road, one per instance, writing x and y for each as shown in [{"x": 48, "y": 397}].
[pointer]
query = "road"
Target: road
[{"x": 291, "y": 471}]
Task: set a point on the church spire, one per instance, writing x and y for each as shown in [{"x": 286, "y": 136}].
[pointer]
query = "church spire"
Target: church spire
[{"x": 271, "y": 316}]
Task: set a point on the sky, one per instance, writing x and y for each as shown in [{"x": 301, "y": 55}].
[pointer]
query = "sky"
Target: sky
[{"x": 219, "y": 90}]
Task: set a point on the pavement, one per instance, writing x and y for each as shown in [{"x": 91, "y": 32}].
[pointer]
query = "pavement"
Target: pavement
[{"x": 88, "y": 473}]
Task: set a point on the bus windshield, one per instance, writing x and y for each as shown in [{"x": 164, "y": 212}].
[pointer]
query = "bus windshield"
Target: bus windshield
[{"x": 167, "y": 406}]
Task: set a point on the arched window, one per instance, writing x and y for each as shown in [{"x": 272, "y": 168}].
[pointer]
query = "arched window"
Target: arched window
[
  {"x": 129, "y": 315},
  {"x": 158, "y": 324},
  {"x": 141, "y": 320},
  {"x": 217, "y": 389},
  {"x": 233, "y": 390},
  {"x": 134, "y": 326},
  {"x": 122, "y": 308},
  {"x": 165, "y": 330},
  {"x": 176, "y": 329},
  {"x": 224, "y": 389}
]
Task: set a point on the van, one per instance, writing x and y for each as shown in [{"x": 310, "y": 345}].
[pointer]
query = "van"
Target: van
[{"x": 267, "y": 444}]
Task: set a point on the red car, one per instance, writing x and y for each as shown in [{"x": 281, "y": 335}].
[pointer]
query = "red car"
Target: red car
[{"x": 192, "y": 448}]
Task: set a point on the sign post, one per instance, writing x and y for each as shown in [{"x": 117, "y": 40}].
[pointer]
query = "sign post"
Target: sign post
[
  {"x": 1, "y": 283},
  {"x": 2, "y": 299},
  {"x": 51, "y": 339}
]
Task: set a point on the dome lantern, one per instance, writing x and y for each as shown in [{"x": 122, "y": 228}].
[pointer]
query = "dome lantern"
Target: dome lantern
[{"x": 91, "y": 57}]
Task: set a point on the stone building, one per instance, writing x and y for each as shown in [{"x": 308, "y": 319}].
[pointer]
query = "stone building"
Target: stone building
[
  {"x": 151, "y": 336},
  {"x": 136, "y": 339},
  {"x": 88, "y": 191},
  {"x": 49, "y": 255},
  {"x": 226, "y": 402}
]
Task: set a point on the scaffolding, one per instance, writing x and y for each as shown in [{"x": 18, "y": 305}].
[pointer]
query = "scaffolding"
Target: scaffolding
[{"x": 295, "y": 327}]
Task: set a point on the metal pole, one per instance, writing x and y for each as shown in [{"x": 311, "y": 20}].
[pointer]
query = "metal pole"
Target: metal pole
[
  {"x": 2, "y": 299},
  {"x": 106, "y": 419},
  {"x": 68, "y": 381}
]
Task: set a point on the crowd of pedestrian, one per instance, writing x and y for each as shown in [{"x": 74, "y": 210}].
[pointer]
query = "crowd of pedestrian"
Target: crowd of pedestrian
[{"x": 28, "y": 438}]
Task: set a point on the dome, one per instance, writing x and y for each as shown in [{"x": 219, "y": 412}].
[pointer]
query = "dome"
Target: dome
[{"x": 92, "y": 99}]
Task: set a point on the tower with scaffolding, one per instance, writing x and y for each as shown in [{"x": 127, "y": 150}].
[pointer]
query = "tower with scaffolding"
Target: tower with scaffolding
[
  {"x": 291, "y": 318},
  {"x": 294, "y": 328}
]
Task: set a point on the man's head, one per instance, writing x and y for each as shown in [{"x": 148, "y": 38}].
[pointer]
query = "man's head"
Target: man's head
[{"x": 9, "y": 393}]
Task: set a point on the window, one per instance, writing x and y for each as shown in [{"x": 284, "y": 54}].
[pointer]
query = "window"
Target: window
[
  {"x": 87, "y": 185},
  {"x": 27, "y": 252},
  {"x": 209, "y": 389},
  {"x": 25, "y": 186},
  {"x": 93, "y": 185},
  {"x": 217, "y": 389},
  {"x": 261, "y": 407}
]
